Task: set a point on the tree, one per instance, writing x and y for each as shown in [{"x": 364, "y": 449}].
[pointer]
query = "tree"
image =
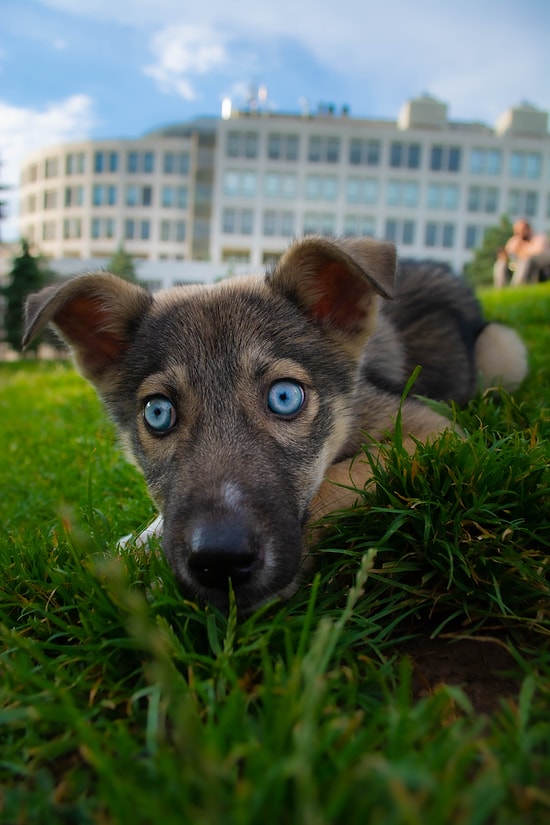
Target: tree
[
  {"x": 480, "y": 269},
  {"x": 122, "y": 265},
  {"x": 27, "y": 275}
]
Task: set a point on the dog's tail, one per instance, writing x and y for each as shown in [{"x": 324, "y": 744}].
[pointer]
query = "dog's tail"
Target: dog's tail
[{"x": 501, "y": 357}]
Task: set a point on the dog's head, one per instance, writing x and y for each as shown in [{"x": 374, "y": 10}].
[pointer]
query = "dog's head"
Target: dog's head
[{"x": 233, "y": 399}]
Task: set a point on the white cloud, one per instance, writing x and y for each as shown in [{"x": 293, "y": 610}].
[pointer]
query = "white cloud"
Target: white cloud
[
  {"x": 183, "y": 52},
  {"x": 25, "y": 130}
]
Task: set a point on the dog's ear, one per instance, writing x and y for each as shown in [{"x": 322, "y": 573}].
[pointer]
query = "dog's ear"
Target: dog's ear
[
  {"x": 96, "y": 314},
  {"x": 335, "y": 282}
]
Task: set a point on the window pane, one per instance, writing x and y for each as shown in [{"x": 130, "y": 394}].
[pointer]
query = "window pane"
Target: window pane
[
  {"x": 251, "y": 145},
  {"x": 477, "y": 161},
  {"x": 454, "y": 159},
  {"x": 132, "y": 162},
  {"x": 274, "y": 147},
  {"x": 434, "y": 195},
  {"x": 396, "y": 154},
  {"x": 233, "y": 143},
  {"x": 148, "y": 162},
  {"x": 333, "y": 150},
  {"x": 448, "y": 235},
  {"x": 431, "y": 234},
  {"x": 436, "y": 159},
  {"x": 494, "y": 160},
  {"x": 408, "y": 232},
  {"x": 355, "y": 153},
  {"x": 373, "y": 153},
  {"x": 413, "y": 160},
  {"x": 292, "y": 147}
]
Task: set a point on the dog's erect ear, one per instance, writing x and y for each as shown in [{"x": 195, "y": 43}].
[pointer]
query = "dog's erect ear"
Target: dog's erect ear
[
  {"x": 95, "y": 314},
  {"x": 335, "y": 282}
]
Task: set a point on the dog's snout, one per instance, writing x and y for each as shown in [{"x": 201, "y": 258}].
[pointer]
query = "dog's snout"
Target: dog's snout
[{"x": 220, "y": 551}]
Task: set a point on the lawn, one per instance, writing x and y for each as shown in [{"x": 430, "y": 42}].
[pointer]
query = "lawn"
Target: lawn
[{"x": 408, "y": 683}]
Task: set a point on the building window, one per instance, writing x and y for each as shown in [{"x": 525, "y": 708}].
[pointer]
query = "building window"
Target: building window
[
  {"x": 50, "y": 199},
  {"x": 172, "y": 231},
  {"x": 102, "y": 228},
  {"x": 140, "y": 162},
  {"x": 448, "y": 238},
  {"x": 358, "y": 226},
  {"x": 474, "y": 236},
  {"x": 319, "y": 223},
  {"x": 402, "y": 193},
  {"x": 485, "y": 161},
  {"x": 442, "y": 196},
  {"x": 75, "y": 163},
  {"x": 148, "y": 162},
  {"x": 278, "y": 223},
  {"x": 130, "y": 229},
  {"x": 405, "y": 155},
  {"x": 400, "y": 232},
  {"x": 430, "y": 236},
  {"x": 238, "y": 221},
  {"x": 324, "y": 149},
  {"x": 105, "y": 162},
  {"x": 523, "y": 203},
  {"x": 362, "y": 190},
  {"x": 280, "y": 185},
  {"x": 139, "y": 195},
  {"x": 439, "y": 234},
  {"x": 445, "y": 158},
  {"x": 282, "y": 147},
  {"x": 104, "y": 194},
  {"x": 364, "y": 152},
  {"x": 242, "y": 145},
  {"x": 48, "y": 231},
  {"x": 483, "y": 199},
  {"x": 240, "y": 184},
  {"x": 176, "y": 163},
  {"x": 174, "y": 197},
  {"x": 321, "y": 187},
  {"x": 526, "y": 165},
  {"x": 74, "y": 196},
  {"x": 51, "y": 168},
  {"x": 72, "y": 228},
  {"x": 235, "y": 256},
  {"x": 145, "y": 230}
]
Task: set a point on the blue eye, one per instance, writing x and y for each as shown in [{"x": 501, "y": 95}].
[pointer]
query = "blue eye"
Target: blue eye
[
  {"x": 159, "y": 414},
  {"x": 285, "y": 397}
]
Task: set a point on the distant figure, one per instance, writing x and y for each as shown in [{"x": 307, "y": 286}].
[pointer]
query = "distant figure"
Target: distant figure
[{"x": 524, "y": 260}]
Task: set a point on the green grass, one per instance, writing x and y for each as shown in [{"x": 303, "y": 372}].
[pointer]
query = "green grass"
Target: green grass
[{"x": 121, "y": 702}]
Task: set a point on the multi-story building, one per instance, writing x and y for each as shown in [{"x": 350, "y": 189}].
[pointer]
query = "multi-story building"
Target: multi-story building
[{"x": 235, "y": 190}]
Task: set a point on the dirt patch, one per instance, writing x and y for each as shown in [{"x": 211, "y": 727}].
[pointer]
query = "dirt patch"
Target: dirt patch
[{"x": 482, "y": 667}]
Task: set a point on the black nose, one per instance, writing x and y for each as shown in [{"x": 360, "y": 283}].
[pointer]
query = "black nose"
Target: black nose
[{"x": 219, "y": 551}]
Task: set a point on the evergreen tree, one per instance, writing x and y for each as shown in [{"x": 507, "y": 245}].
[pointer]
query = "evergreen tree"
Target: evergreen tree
[
  {"x": 122, "y": 265},
  {"x": 27, "y": 275},
  {"x": 479, "y": 271}
]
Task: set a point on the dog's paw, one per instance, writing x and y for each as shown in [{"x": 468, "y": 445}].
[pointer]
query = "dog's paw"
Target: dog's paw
[{"x": 153, "y": 531}]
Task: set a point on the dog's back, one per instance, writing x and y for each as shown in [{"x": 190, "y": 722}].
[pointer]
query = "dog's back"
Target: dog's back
[{"x": 436, "y": 322}]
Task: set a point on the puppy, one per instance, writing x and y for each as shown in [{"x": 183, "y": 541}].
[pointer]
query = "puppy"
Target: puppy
[{"x": 245, "y": 401}]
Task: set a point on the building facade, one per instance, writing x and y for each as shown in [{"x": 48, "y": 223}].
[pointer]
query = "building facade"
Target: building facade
[{"x": 237, "y": 189}]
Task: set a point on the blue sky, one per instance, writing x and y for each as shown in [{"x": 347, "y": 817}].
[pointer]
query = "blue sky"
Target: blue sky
[{"x": 71, "y": 69}]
